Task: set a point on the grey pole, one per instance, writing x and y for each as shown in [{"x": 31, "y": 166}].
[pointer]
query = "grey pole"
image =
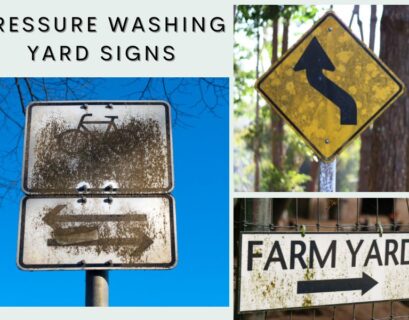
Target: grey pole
[
  {"x": 96, "y": 288},
  {"x": 328, "y": 174}
]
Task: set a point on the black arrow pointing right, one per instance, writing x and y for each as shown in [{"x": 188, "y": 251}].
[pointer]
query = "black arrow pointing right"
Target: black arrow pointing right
[{"x": 318, "y": 286}]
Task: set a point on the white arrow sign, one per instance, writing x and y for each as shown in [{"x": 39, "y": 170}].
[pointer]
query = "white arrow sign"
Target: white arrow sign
[
  {"x": 98, "y": 233},
  {"x": 288, "y": 270}
]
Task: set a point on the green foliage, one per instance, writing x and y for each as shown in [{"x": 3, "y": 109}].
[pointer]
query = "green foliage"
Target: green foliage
[
  {"x": 297, "y": 151},
  {"x": 262, "y": 15},
  {"x": 243, "y": 163},
  {"x": 281, "y": 180},
  {"x": 348, "y": 167},
  {"x": 304, "y": 13}
]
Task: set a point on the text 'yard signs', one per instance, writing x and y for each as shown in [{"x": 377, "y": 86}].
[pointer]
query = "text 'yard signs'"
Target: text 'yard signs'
[
  {"x": 98, "y": 146},
  {"x": 287, "y": 270},
  {"x": 98, "y": 233},
  {"x": 329, "y": 87}
]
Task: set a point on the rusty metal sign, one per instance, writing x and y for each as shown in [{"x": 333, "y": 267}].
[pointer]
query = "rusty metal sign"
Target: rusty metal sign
[
  {"x": 96, "y": 147},
  {"x": 329, "y": 87},
  {"x": 289, "y": 270},
  {"x": 97, "y": 233}
]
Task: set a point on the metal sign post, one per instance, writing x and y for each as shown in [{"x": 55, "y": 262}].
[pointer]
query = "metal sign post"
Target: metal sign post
[
  {"x": 96, "y": 288},
  {"x": 328, "y": 173}
]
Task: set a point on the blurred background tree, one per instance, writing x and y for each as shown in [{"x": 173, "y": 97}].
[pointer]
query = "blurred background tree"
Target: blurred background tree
[{"x": 385, "y": 158}]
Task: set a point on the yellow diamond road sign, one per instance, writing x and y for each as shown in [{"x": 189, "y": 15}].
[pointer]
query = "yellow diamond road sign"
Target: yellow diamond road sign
[{"x": 329, "y": 86}]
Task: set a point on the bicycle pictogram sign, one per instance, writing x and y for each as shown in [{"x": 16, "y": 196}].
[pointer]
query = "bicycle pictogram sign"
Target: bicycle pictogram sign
[
  {"x": 94, "y": 143},
  {"x": 74, "y": 141}
]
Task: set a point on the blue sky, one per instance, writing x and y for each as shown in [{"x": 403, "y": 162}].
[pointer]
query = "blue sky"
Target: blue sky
[{"x": 200, "y": 137}]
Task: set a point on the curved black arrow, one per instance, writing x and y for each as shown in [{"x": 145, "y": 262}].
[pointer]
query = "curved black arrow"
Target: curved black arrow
[
  {"x": 314, "y": 60},
  {"x": 316, "y": 286}
]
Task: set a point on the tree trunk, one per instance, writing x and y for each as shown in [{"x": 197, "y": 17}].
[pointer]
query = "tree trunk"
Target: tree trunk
[
  {"x": 274, "y": 42},
  {"x": 314, "y": 168},
  {"x": 389, "y": 158},
  {"x": 274, "y": 118},
  {"x": 365, "y": 152},
  {"x": 257, "y": 122},
  {"x": 277, "y": 124},
  {"x": 372, "y": 27}
]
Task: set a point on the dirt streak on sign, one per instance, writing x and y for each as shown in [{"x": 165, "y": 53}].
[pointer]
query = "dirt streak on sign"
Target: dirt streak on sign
[
  {"x": 287, "y": 270},
  {"x": 98, "y": 233},
  {"x": 94, "y": 146},
  {"x": 329, "y": 87}
]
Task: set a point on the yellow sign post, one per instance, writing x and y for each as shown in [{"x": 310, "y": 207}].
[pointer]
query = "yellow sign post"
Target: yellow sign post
[{"x": 329, "y": 87}]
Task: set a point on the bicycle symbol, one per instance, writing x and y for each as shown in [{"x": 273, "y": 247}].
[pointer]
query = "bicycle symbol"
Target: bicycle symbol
[{"x": 74, "y": 141}]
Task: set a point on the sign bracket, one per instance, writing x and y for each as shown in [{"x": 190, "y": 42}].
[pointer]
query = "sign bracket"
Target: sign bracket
[{"x": 328, "y": 172}]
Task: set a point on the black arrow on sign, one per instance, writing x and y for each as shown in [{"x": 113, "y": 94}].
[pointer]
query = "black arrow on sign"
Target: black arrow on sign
[
  {"x": 316, "y": 286},
  {"x": 52, "y": 217},
  {"x": 90, "y": 235},
  {"x": 314, "y": 60}
]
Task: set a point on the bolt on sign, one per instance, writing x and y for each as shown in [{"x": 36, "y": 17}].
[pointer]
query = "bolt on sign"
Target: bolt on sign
[
  {"x": 288, "y": 270},
  {"x": 99, "y": 233},
  {"x": 97, "y": 147},
  {"x": 329, "y": 87}
]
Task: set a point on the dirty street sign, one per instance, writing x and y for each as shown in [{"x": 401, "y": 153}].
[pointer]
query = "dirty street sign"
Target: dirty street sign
[
  {"x": 97, "y": 233},
  {"x": 329, "y": 87},
  {"x": 288, "y": 270},
  {"x": 97, "y": 147}
]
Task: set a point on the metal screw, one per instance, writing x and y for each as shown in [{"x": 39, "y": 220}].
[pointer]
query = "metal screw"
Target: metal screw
[
  {"x": 109, "y": 188},
  {"x": 109, "y": 263},
  {"x": 83, "y": 188},
  {"x": 329, "y": 29},
  {"x": 109, "y": 106},
  {"x": 108, "y": 200},
  {"x": 84, "y": 106},
  {"x": 327, "y": 141},
  {"x": 82, "y": 199},
  {"x": 82, "y": 263}
]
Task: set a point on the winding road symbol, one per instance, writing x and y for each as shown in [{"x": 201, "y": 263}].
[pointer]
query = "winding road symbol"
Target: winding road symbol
[{"x": 314, "y": 60}]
